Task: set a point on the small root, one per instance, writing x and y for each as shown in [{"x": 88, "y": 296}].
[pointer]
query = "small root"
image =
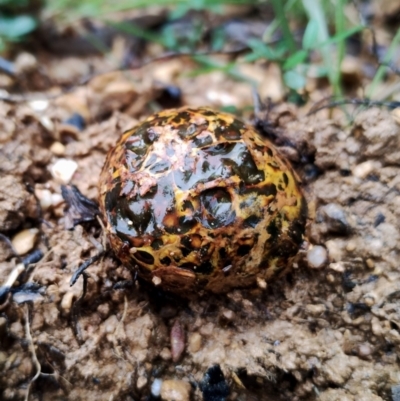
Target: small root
[{"x": 32, "y": 348}]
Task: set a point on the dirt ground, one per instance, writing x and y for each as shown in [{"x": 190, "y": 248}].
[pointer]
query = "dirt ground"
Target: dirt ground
[{"x": 328, "y": 331}]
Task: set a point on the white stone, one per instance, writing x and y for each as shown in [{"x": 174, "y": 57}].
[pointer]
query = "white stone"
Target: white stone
[
  {"x": 44, "y": 197},
  {"x": 337, "y": 267},
  {"x": 39, "y": 105},
  {"x": 156, "y": 387},
  {"x": 25, "y": 240},
  {"x": 362, "y": 170},
  {"x": 63, "y": 170},
  {"x": 317, "y": 257},
  {"x": 47, "y": 199},
  {"x": 47, "y": 123}
]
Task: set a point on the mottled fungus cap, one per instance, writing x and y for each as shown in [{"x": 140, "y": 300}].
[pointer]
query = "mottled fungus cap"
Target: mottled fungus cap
[{"x": 195, "y": 199}]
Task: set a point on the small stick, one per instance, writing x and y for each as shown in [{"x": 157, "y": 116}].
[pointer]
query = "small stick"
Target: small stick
[
  {"x": 76, "y": 307},
  {"x": 356, "y": 102},
  {"x": 84, "y": 266},
  {"x": 32, "y": 347},
  {"x": 34, "y": 257}
]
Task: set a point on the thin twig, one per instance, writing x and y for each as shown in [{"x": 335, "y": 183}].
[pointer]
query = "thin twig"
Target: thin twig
[
  {"x": 84, "y": 266},
  {"x": 76, "y": 307},
  {"x": 42, "y": 261},
  {"x": 103, "y": 232},
  {"x": 120, "y": 323},
  {"x": 32, "y": 347},
  {"x": 355, "y": 102}
]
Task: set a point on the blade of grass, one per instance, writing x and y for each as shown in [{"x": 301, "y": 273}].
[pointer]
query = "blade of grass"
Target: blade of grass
[
  {"x": 209, "y": 65},
  {"x": 262, "y": 50},
  {"x": 295, "y": 59},
  {"x": 76, "y": 9},
  {"x": 341, "y": 45},
  {"x": 98, "y": 44},
  {"x": 134, "y": 30},
  {"x": 283, "y": 23},
  {"x": 382, "y": 69},
  {"x": 343, "y": 35},
  {"x": 275, "y": 23},
  {"x": 315, "y": 12},
  {"x": 310, "y": 34}
]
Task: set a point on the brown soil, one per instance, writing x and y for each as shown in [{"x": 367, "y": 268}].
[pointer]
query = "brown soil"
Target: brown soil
[{"x": 330, "y": 333}]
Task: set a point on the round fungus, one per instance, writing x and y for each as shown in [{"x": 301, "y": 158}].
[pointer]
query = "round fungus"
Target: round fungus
[{"x": 194, "y": 191}]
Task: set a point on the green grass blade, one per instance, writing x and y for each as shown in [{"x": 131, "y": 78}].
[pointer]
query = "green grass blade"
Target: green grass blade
[
  {"x": 381, "y": 70},
  {"x": 341, "y": 45},
  {"x": 315, "y": 12},
  {"x": 283, "y": 22},
  {"x": 295, "y": 59},
  {"x": 342, "y": 35},
  {"x": 310, "y": 34},
  {"x": 134, "y": 30}
]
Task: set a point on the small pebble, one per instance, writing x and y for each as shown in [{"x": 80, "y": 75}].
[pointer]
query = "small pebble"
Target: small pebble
[
  {"x": 317, "y": 257},
  {"x": 25, "y": 240},
  {"x": 25, "y": 62},
  {"x": 175, "y": 390},
  {"x": 156, "y": 387},
  {"x": 58, "y": 149},
  {"x": 76, "y": 120},
  {"x": 165, "y": 354},
  {"x": 39, "y": 105},
  {"x": 66, "y": 302},
  {"x": 44, "y": 197},
  {"x": 362, "y": 170},
  {"x": 351, "y": 246},
  {"x": 141, "y": 382},
  {"x": 396, "y": 389},
  {"x": 63, "y": 170},
  {"x": 228, "y": 314},
  {"x": 337, "y": 267},
  {"x": 47, "y": 123},
  {"x": 331, "y": 278},
  {"x": 47, "y": 199},
  {"x": 364, "y": 350},
  {"x": 370, "y": 263},
  {"x": 261, "y": 283},
  {"x": 376, "y": 327},
  {"x": 369, "y": 299},
  {"x": 315, "y": 310},
  {"x": 379, "y": 219},
  {"x": 335, "y": 249},
  {"x": 194, "y": 343}
]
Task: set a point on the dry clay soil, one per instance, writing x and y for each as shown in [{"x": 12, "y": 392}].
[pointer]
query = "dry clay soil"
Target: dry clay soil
[{"x": 328, "y": 333}]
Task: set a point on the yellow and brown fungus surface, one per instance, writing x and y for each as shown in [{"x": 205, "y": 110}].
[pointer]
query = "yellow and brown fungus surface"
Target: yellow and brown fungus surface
[{"x": 194, "y": 199}]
